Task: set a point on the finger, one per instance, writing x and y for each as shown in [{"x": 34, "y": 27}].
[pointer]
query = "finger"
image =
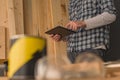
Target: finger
[
  {"x": 51, "y": 35},
  {"x": 76, "y": 26},
  {"x": 68, "y": 25},
  {"x": 57, "y": 37},
  {"x": 72, "y": 26}
]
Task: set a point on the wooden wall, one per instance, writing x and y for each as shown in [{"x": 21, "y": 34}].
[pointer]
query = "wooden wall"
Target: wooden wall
[
  {"x": 3, "y": 24},
  {"x": 2, "y": 43},
  {"x": 11, "y": 19},
  {"x": 34, "y": 17},
  {"x": 45, "y": 15}
]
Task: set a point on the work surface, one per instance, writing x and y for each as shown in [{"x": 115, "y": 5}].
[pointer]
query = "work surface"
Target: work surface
[
  {"x": 112, "y": 73},
  {"x": 113, "y": 78}
]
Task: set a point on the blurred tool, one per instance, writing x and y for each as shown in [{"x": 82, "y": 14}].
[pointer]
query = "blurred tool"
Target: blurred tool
[{"x": 24, "y": 52}]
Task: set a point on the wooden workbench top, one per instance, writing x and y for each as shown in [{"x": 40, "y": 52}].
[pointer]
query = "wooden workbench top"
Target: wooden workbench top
[{"x": 112, "y": 78}]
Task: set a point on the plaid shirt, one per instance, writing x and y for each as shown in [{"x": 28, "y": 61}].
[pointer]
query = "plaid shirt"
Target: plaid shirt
[{"x": 86, "y": 39}]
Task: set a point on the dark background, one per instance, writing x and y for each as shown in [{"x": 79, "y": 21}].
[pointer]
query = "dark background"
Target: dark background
[{"x": 114, "y": 53}]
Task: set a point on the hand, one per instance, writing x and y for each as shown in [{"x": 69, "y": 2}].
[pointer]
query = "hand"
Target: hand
[
  {"x": 56, "y": 37},
  {"x": 74, "y": 25}
]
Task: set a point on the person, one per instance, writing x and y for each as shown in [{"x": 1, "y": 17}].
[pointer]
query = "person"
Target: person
[{"x": 91, "y": 20}]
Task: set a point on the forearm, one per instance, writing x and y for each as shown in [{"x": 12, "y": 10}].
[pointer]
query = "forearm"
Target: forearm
[{"x": 100, "y": 20}]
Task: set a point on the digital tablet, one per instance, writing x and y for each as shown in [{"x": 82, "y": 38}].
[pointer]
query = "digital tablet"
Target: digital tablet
[{"x": 60, "y": 30}]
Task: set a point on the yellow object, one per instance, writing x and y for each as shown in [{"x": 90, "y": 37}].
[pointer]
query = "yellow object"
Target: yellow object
[{"x": 22, "y": 51}]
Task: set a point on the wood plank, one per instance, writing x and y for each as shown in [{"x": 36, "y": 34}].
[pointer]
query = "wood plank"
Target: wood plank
[
  {"x": 4, "y": 17},
  {"x": 3, "y": 13},
  {"x": 60, "y": 17},
  {"x": 15, "y": 17},
  {"x": 46, "y": 15},
  {"x": 42, "y": 21},
  {"x": 28, "y": 21},
  {"x": 11, "y": 18},
  {"x": 19, "y": 20},
  {"x": 41, "y": 16},
  {"x": 2, "y": 43}
]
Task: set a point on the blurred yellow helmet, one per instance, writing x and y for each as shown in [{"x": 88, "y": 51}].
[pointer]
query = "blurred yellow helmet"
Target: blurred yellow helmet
[{"x": 24, "y": 53}]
